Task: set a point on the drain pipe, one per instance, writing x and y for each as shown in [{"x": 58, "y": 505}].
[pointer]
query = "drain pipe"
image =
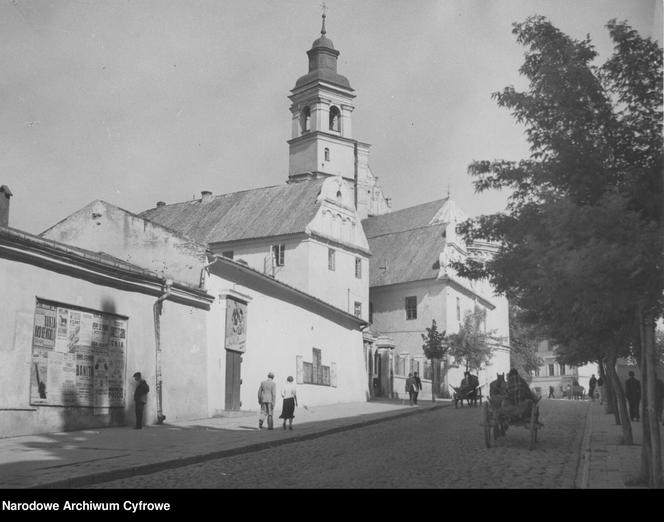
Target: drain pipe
[{"x": 156, "y": 308}]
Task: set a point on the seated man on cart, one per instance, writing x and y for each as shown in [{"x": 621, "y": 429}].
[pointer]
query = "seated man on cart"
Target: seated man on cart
[{"x": 517, "y": 401}]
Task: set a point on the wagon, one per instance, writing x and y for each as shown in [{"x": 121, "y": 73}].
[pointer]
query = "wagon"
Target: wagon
[
  {"x": 495, "y": 423},
  {"x": 470, "y": 394}
]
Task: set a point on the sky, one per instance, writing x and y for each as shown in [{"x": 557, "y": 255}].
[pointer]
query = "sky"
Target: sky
[{"x": 139, "y": 101}]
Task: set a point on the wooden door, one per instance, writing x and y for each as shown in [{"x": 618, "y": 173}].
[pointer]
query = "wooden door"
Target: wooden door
[{"x": 233, "y": 381}]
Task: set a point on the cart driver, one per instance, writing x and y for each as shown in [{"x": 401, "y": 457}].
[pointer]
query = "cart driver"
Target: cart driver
[{"x": 519, "y": 399}]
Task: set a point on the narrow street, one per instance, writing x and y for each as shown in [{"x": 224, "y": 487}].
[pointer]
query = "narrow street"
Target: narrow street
[{"x": 443, "y": 448}]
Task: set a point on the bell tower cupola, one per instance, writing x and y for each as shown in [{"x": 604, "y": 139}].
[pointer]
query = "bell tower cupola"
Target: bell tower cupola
[{"x": 321, "y": 105}]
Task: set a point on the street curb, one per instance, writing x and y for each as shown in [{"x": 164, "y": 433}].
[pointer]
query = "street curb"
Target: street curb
[
  {"x": 583, "y": 467},
  {"x": 107, "y": 476}
]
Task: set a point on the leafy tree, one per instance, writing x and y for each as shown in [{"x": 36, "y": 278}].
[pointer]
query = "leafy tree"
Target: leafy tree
[
  {"x": 524, "y": 340},
  {"x": 581, "y": 239},
  {"x": 472, "y": 345},
  {"x": 435, "y": 348}
]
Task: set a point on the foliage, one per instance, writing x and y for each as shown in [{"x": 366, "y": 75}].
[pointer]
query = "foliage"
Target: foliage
[
  {"x": 435, "y": 345},
  {"x": 524, "y": 340},
  {"x": 472, "y": 345}
]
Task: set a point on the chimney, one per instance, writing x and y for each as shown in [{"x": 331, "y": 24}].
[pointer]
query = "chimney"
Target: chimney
[
  {"x": 161, "y": 204},
  {"x": 5, "y": 194},
  {"x": 206, "y": 196}
]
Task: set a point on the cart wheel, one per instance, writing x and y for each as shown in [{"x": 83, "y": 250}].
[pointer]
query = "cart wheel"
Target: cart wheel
[
  {"x": 533, "y": 426},
  {"x": 487, "y": 425}
]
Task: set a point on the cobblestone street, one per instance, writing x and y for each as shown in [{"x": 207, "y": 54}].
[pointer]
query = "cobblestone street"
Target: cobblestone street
[{"x": 443, "y": 448}]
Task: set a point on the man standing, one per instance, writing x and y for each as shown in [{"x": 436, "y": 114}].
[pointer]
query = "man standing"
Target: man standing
[
  {"x": 633, "y": 394},
  {"x": 417, "y": 386},
  {"x": 140, "y": 398},
  {"x": 267, "y": 394},
  {"x": 410, "y": 387},
  {"x": 591, "y": 387}
]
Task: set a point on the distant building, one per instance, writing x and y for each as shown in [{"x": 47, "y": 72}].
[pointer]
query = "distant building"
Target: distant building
[
  {"x": 412, "y": 283},
  {"x": 559, "y": 376}
]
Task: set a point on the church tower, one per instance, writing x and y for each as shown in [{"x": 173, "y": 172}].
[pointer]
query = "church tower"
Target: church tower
[{"x": 322, "y": 142}]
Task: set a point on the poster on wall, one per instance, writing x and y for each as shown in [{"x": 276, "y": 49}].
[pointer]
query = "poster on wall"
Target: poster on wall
[
  {"x": 236, "y": 325},
  {"x": 78, "y": 358}
]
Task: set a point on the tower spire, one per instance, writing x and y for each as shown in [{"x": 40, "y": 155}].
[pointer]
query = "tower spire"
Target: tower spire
[{"x": 324, "y": 9}]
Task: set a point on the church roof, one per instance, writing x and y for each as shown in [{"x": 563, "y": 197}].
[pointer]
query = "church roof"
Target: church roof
[
  {"x": 249, "y": 214},
  {"x": 402, "y": 220},
  {"x": 409, "y": 255},
  {"x": 406, "y": 244}
]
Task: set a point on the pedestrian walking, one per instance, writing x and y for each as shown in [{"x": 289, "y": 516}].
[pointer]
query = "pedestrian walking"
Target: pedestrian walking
[
  {"x": 591, "y": 387},
  {"x": 410, "y": 386},
  {"x": 289, "y": 396},
  {"x": 140, "y": 398},
  {"x": 417, "y": 386},
  {"x": 551, "y": 394},
  {"x": 633, "y": 394},
  {"x": 267, "y": 394},
  {"x": 600, "y": 389}
]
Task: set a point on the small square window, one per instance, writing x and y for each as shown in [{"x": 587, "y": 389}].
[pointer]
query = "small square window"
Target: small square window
[
  {"x": 411, "y": 308},
  {"x": 331, "y": 263}
]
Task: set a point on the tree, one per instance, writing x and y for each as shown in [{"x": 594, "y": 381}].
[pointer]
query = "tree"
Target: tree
[
  {"x": 524, "y": 340},
  {"x": 472, "y": 345},
  {"x": 435, "y": 347},
  {"x": 581, "y": 239}
]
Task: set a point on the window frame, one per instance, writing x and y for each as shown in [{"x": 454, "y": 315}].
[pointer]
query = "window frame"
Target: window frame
[
  {"x": 358, "y": 268},
  {"x": 411, "y": 311},
  {"x": 278, "y": 252},
  {"x": 331, "y": 260}
]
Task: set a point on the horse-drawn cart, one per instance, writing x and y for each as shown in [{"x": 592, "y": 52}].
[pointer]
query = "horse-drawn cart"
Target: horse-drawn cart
[
  {"x": 471, "y": 394},
  {"x": 496, "y": 421}
]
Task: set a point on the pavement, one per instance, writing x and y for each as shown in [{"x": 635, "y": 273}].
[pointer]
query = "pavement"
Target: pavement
[{"x": 77, "y": 459}]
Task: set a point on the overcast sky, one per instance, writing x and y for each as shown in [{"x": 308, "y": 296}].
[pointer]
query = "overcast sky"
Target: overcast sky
[{"x": 136, "y": 101}]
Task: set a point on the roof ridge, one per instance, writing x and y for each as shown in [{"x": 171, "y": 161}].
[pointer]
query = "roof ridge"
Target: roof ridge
[
  {"x": 437, "y": 224},
  {"x": 406, "y": 209}
]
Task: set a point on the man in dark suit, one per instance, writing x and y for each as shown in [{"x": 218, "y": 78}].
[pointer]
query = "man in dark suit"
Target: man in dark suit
[
  {"x": 633, "y": 394},
  {"x": 140, "y": 398},
  {"x": 417, "y": 386}
]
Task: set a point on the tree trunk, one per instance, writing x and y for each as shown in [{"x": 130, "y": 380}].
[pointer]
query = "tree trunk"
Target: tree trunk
[
  {"x": 649, "y": 410},
  {"x": 607, "y": 393},
  {"x": 434, "y": 370},
  {"x": 628, "y": 438},
  {"x": 646, "y": 457}
]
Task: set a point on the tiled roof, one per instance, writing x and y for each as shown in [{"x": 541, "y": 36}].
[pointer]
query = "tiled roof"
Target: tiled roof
[
  {"x": 402, "y": 220},
  {"x": 405, "y": 256},
  {"x": 256, "y": 213}
]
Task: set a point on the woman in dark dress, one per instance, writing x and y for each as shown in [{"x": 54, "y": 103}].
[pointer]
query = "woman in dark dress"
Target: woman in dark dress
[{"x": 289, "y": 394}]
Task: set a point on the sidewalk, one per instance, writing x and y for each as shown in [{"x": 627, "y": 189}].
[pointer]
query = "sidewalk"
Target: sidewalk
[
  {"x": 605, "y": 462},
  {"x": 81, "y": 458}
]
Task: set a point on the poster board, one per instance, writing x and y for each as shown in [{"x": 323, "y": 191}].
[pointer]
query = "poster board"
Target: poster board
[
  {"x": 236, "y": 325},
  {"x": 78, "y": 357}
]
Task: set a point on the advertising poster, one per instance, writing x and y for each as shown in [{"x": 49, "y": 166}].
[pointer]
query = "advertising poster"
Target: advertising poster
[
  {"x": 78, "y": 358},
  {"x": 236, "y": 325}
]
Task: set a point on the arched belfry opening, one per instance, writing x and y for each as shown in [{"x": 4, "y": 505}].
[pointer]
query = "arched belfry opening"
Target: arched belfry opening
[
  {"x": 305, "y": 120},
  {"x": 335, "y": 119}
]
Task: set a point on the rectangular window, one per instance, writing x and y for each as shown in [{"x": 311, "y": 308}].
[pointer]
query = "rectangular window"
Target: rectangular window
[
  {"x": 458, "y": 309},
  {"x": 330, "y": 259},
  {"x": 358, "y": 309},
  {"x": 551, "y": 370},
  {"x": 428, "y": 370},
  {"x": 400, "y": 365},
  {"x": 314, "y": 372},
  {"x": 228, "y": 254},
  {"x": 278, "y": 254},
  {"x": 411, "y": 308},
  {"x": 562, "y": 369},
  {"x": 358, "y": 268}
]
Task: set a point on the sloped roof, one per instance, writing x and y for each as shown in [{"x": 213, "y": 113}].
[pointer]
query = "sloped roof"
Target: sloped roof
[
  {"x": 402, "y": 220},
  {"x": 409, "y": 255},
  {"x": 256, "y": 213}
]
